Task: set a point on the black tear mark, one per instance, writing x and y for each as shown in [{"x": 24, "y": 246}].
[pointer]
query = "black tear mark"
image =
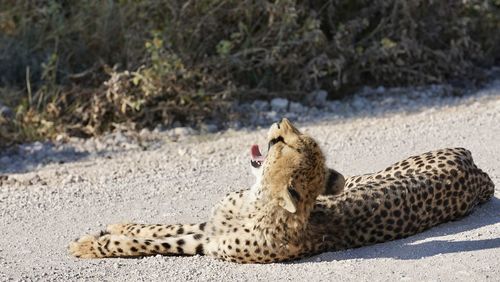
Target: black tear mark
[{"x": 294, "y": 193}]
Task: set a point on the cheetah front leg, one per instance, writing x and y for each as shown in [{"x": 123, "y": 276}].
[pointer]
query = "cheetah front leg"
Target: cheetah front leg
[
  {"x": 109, "y": 245},
  {"x": 154, "y": 230}
]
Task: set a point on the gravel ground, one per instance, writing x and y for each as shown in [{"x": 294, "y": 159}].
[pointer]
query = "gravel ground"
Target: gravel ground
[{"x": 52, "y": 193}]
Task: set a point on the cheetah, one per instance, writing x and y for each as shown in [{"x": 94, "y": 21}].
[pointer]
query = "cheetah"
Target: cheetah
[{"x": 298, "y": 207}]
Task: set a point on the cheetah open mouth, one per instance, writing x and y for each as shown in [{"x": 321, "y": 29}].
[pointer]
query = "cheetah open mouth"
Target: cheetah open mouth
[{"x": 256, "y": 156}]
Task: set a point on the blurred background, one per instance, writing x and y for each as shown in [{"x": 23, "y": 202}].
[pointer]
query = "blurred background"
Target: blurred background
[{"x": 83, "y": 68}]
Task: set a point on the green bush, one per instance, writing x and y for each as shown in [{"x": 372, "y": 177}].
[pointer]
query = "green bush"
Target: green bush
[{"x": 82, "y": 67}]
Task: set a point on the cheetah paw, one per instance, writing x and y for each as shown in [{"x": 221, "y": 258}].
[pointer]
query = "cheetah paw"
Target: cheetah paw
[{"x": 84, "y": 247}]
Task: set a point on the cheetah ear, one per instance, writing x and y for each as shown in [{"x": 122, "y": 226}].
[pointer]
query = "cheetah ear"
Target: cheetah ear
[{"x": 288, "y": 202}]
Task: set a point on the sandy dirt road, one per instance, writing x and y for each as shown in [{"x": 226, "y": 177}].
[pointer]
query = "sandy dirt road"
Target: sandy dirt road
[{"x": 179, "y": 182}]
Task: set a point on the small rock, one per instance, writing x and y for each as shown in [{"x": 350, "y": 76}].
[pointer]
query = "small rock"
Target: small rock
[
  {"x": 183, "y": 131},
  {"x": 120, "y": 138},
  {"x": 272, "y": 116},
  {"x": 159, "y": 128},
  {"x": 4, "y": 180},
  {"x": 291, "y": 116},
  {"x": 72, "y": 179},
  {"x": 144, "y": 133},
  {"x": 359, "y": 103},
  {"x": 89, "y": 144},
  {"x": 297, "y": 108},
  {"x": 279, "y": 104},
  {"x": 35, "y": 180},
  {"x": 388, "y": 101},
  {"x": 365, "y": 90},
  {"x": 335, "y": 106},
  {"x": 235, "y": 125},
  {"x": 209, "y": 128},
  {"x": 182, "y": 151},
  {"x": 210, "y": 150},
  {"x": 243, "y": 107},
  {"x": 37, "y": 146},
  {"x": 318, "y": 98},
  {"x": 261, "y": 105},
  {"x": 314, "y": 112},
  {"x": 68, "y": 179},
  {"x": 59, "y": 138},
  {"x": 5, "y": 160},
  {"x": 100, "y": 145},
  {"x": 6, "y": 112},
  {"x": 380, "y": 90}
]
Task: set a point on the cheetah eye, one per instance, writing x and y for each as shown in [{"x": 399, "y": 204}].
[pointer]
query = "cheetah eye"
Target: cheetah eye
[{"x": 274, "y": 141}]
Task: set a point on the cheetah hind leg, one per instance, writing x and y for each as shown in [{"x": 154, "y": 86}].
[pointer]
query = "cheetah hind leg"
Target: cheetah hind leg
[
  {"x": 154, "y": 230},
  {"x": 109, "y": 245}
]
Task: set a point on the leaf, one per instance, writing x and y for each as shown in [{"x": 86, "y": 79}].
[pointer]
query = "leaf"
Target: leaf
[{"x": 387, "y": 43}]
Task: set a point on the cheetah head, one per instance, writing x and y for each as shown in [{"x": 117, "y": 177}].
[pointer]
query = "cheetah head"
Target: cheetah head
[{"x": 292, "y": 174}]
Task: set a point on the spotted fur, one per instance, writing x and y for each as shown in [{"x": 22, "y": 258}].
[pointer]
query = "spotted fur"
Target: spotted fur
[{"x": 298, "y": 207}]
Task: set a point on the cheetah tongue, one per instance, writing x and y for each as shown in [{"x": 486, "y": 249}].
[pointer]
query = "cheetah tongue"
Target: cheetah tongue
[{"x": 256, "y": 157}]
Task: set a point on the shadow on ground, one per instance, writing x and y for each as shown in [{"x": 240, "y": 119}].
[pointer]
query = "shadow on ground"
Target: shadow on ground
[
  {"x": 410, "y": 248},
  {"x": 407, "y": 101},
  {"x": 29, "y": 157}
]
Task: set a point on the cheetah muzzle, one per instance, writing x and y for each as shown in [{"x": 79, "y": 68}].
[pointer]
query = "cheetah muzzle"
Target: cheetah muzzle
[{"x": 298, "y": 207}]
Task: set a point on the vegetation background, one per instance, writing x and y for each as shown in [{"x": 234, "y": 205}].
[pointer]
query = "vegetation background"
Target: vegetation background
[{"x": 81, "y": 68}]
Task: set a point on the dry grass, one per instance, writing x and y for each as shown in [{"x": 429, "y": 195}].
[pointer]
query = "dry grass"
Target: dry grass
[{"x": 84, "y": 67}]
